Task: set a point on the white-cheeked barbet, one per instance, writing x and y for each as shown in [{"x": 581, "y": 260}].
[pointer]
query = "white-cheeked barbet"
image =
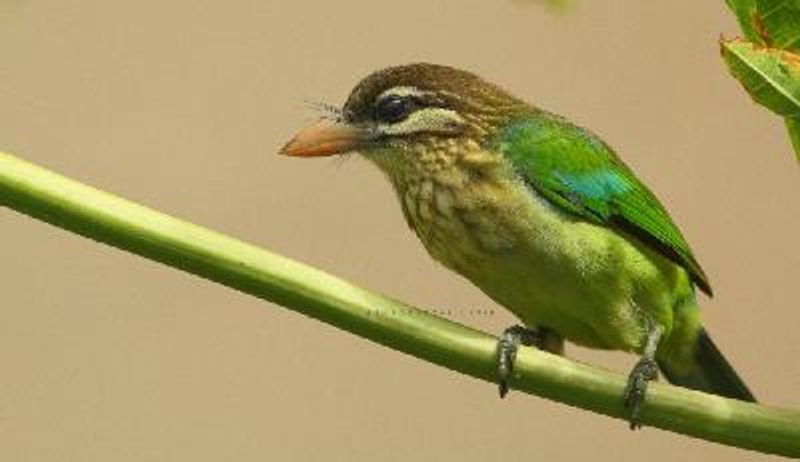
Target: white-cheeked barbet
[{"x": 540, "y": 214}]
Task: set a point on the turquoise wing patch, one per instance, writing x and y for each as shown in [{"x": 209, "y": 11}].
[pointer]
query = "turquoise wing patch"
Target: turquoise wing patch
[{"x": 576, "y": 171}]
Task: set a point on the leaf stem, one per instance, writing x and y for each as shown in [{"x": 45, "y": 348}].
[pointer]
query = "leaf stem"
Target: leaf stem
[
  {"x": 65, "y": 203},
  {"x": 793, "y": 126}
]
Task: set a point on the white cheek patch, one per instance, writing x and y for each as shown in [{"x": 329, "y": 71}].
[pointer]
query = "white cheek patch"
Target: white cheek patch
[{"x": 431, "y": 120}]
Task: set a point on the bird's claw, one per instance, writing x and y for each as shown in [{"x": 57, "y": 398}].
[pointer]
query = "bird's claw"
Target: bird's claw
[
  {"x": 645, "y": 371},
  {"x": 507, "y": 348}
]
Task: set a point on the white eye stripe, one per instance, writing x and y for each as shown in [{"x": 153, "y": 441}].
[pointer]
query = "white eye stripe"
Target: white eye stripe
[{"x": 403, "y": 92}]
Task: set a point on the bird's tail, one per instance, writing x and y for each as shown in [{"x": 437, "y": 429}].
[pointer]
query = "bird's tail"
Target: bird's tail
[{"x": 706, "y": 370}]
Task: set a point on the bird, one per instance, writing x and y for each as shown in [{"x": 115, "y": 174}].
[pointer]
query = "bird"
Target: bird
[{"x": 541, "y": 215}]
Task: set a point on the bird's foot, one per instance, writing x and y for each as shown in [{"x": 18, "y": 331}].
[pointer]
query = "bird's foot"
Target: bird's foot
[
  {"x": 507, "y": 348},
  {"x": 645, "y": 371}
]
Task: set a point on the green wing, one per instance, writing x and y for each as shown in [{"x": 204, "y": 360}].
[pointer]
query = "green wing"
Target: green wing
[{"x": 574, "y": 169}]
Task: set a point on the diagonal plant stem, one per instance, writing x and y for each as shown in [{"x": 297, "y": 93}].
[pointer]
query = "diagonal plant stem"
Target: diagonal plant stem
[
  {"x": 103, "y": 217},
  {"x": 793, "y": 126}
]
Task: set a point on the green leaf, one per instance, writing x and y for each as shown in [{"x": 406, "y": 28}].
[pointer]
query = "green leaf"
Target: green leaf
[
  {"x": 778, "y": 23},
  {"x": 770, "y": 76},
  {"x": 745, "y": 11}
]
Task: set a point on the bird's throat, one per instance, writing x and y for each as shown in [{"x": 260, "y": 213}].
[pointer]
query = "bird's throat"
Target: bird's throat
[{"x": 455, "y": 197}]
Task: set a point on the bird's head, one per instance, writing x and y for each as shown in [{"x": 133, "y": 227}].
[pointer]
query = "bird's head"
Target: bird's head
[{"x": 399, "y": 115}]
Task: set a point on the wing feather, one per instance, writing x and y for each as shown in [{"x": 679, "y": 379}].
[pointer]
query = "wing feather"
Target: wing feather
[{"x": 575, "y": 170}]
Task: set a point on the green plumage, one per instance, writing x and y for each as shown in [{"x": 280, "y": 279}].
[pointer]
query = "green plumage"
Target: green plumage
[
  {"x": 538, "y": 213},
  {"x": 578, "y": 172}
]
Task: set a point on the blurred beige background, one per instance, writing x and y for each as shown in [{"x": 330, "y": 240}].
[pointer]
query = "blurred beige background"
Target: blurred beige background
[{"x": 182, "y": 104}]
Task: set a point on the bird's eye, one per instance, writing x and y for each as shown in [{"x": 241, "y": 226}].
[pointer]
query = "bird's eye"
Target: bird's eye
[{"x": 393, "y": 109}]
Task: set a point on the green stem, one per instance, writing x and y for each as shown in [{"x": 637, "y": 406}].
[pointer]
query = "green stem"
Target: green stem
[
  {"x": 106, "y": 218},
  {"x": 793, "y": 125}
]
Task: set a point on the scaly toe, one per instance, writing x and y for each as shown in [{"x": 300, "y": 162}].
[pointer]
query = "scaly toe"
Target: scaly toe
[
  {"x": 636, "y": 390},
  {"x": 507, "y": 348}
]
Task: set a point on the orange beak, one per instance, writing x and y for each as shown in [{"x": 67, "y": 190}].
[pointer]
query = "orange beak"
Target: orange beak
[{"x": 324, "y": 138}]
